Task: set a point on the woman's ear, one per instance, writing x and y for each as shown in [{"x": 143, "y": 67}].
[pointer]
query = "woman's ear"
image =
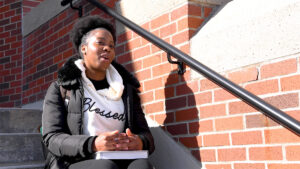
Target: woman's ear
[{"x": 83, "y": 49}]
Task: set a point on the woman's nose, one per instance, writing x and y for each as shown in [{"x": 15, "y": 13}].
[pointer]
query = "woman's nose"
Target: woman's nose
[{"x": 107, "y": 48}]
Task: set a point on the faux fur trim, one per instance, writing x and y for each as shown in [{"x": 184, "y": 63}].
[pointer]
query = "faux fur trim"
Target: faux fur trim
[{"x": 69, "y": 74}]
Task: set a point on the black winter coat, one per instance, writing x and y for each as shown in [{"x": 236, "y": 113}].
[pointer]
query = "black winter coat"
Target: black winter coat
[{"x": 62, "y": 126}]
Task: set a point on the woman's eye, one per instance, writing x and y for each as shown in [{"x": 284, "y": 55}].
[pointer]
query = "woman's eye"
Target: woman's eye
[{"x": 101, "y": 43}]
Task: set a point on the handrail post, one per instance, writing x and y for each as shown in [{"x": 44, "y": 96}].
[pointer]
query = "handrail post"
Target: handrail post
[{"x": 269, "y": 110}]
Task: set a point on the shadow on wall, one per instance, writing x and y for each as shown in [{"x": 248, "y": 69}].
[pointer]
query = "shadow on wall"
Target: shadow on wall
[{"x": 169, "y": 153}]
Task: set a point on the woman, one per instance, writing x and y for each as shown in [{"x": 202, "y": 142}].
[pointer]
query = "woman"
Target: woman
[{"x": 101, "y": 111}]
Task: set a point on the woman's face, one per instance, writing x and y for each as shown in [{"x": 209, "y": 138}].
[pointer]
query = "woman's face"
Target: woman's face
[{"x": 99, "y": 51}]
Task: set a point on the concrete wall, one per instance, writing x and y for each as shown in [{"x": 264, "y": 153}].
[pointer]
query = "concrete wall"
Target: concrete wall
[{"x": 244, "y": 32}]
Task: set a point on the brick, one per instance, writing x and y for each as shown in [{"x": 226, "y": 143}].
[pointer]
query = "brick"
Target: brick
[
  {"x": 290, "y": 83},
  {"x": 168, "y": 30},
  {"x": 119, "y": 49},
  {"x": 143, "y": 75},
  {"x": 16, "y": 70},
  {"x": 16, "y": 18},
  {"x": 284, "y": 101},
  {"x": 10, "y": 52},
  {"x": 151, "y": 61},
  {"x": 185, "y": 48},
  {"x": 167, "y": 92},
  {"x": 239, "y": 76},
  {"x": 283, "y": 166},
  {"x": 179, "y": 12},
  {"x": 195, "y": 10},
  {"x": 4, "y": 99},
  {"x": 259, "y": 120},
  {"x": 9, "y": 13},
  {"x": 249, "y": 166},
  {"x": 176, "y": 103},
  {"x": 212, "y": 111},
  {"x": 11, "y": 39},
  {"x": 245, "y": 138},
  {"x": 154, "y": 107},
  {"x": 171, "y": 79},
  {"x": 10, "y": 27},
  {"x": 265, "y": 153},
  {"x": 9, "y": 91},
  {"x": 201, "y": 127},
  {"x": 294, "y": 114},
  {"x": 10, "y": 65},
  {"x": 188, "y": 88},
  {"x": 4, "y": 9},
  {"x": 141, "y": 52},
  {"x": 191, "y": 142},
  {"x": 187, "y": 114},
  {"x": 30, "y": 3},
  {"x": 206, "y": 84},
  {"x": 133, "y": 43},
  {"x": 265, "y": 87},
  {"x": 16, "y": 5},
  {"x": 279, "y": 68},
  {"x": 154, "y": 48},
  {"x": 201, "y": 98},
  {"x": 232, "y": 154},
  {"x": 216, "y": 140},
  {"x": 231, "y": 123},
  {"x": 159, "y": 21},
  {"x": 164, "y": 118},
  {"x": 162, "y": 69},
  {"x": 222, "y": 95},
  {"x": 218, "y": 166},
  {"x": 280, "y": 136},
  {"x": 177, "y": 129},
  {"x": 4, "y": 86},
  {"x": 4, "y": 34},
  {"x": 181, "y": 37},
  {"x": 240, "y": 107},
  {"x": 124, "y": 58},
  {"x": 292, "y": 153},
  {"x": 189, "y": 22},
  {"x": 207, "y": 11},
  {"x": 153, "y": 83},
  {"x": 9, "y": 78},
  {"x": 147, "y": 97},
  {"x": 207, "y": 155},
  {"x": 16, "y": 45}
]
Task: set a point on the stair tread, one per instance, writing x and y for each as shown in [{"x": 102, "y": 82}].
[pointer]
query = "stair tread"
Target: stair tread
[
  {"x": 20, "y": 120},
  {"x": 32, "y": 164}
]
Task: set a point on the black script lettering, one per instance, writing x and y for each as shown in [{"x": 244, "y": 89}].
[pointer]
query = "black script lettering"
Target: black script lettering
[{"x": 89, "y": 102}]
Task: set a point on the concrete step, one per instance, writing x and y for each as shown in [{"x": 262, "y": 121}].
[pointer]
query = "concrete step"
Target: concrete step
[
  {"x": 19, "y": 120},
  {"x": 20, "y": 147},
  {"x": 24, "y": 165}
]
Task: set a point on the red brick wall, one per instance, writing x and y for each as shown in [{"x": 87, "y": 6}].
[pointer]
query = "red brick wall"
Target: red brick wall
[
  {"x": 219, "y": 129},
  {"x": 10, "y": 53},
  {"x": 46, "y": 49}
]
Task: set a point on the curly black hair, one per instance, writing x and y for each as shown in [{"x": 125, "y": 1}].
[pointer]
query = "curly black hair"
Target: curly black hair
[{"x": 86, "y": 24}]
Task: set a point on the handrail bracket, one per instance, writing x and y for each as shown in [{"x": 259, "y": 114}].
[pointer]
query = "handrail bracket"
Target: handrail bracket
[{"x": 181, "y": 69}]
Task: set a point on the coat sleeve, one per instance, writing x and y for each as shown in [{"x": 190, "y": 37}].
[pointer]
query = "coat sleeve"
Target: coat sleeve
[
  {"x": 56, "y": 135},
  {"x": 140, "y": 126}
]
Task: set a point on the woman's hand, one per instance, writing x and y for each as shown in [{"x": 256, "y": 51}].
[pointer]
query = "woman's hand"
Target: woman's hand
[
  {"x": 110, "y": 141},
  {"x": 135, "y": 142}
]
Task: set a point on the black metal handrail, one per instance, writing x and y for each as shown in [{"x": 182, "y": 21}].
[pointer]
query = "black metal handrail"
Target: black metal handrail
[{"x": 269, "y": 110}]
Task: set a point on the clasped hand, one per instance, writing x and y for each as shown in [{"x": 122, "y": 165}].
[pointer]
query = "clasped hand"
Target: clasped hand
[{"x": 115, "y": 141}]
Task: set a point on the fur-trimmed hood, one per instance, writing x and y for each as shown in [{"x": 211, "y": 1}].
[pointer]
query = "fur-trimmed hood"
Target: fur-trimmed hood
[{"x": 69, "y": 74}]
